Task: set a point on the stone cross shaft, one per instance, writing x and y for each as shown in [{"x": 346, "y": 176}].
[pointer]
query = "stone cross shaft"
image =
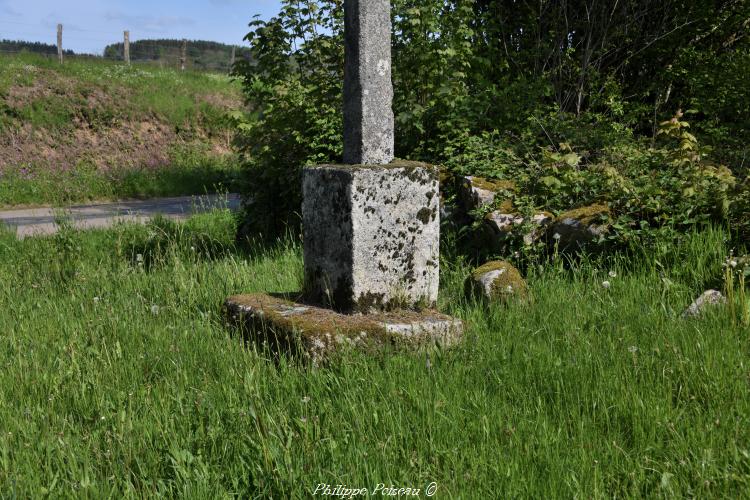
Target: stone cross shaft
[{"x": 368, "y": 89}]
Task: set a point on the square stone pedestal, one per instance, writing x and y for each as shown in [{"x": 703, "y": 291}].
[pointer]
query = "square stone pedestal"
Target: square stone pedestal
[
  {"x": 316, "y": 333},
  {"x": 371, "y": 236}
]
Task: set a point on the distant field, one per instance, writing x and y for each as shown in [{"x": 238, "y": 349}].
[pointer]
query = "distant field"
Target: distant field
[{"x": 98, "y": 130}]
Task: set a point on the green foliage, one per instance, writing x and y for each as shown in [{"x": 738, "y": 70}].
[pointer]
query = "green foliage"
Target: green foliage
[
  {"x": 652, "y": 192},
  {"x": 600, "y": 78},
  {"x": 294, "y": 88}
]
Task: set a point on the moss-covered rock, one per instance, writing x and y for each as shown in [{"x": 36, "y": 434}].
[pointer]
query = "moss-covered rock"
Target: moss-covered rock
[
  {"x": 576, "y": 228},
  {"x": 498, "y": 281},
  {"x": 476, "y": 192},
  {"x": 501, "y": 226}
]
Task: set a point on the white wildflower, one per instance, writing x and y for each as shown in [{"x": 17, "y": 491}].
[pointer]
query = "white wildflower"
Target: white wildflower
[
  {"x": 612, "y": 274},
  {"x": 154, "y": 310},
  {"x": 606, "y": 284},
  {"x": 557, "y": 236}
]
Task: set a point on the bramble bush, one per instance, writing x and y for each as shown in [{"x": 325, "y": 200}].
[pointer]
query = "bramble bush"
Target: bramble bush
[{"x": 653, "y": 191}]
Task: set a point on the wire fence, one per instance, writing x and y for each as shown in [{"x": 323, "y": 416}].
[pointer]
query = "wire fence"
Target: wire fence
[{"x": 162, "y": 52}]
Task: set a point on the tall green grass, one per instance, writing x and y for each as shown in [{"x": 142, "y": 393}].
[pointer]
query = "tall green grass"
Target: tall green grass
[
  {"x": 120, "y": 379},
  {"x": 191, "y": 171}
]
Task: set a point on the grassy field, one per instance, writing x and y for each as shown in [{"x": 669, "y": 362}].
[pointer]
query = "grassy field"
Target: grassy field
[
  {"x": 119, "y": 379},
  {"x": 92, "y": 129}
]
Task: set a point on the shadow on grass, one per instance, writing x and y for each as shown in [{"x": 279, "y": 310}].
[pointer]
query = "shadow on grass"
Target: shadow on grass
[{"x": 176, "y": 181}]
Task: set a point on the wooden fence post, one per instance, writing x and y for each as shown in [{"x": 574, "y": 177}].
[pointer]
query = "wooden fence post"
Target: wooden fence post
[
  {"x": 59, "y": 43},
  {"x": 183, "y": 54},
  {"x": 126, "y": 47}
]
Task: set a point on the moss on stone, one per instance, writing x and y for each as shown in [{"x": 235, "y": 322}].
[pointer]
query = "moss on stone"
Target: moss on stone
[
  {"x": 586, "y": 215},
  {"x": 506, "y": 207},
  {"x": 493, "y": 185},
  {"x": 479, "y": 191},
  {"x": 397, "y": 163},
  {"x": 545, "y": 214},
  {"x": 508, "y": 284}
]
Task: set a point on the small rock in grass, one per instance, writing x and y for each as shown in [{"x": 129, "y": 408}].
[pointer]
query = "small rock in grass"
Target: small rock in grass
[
  {"x": 708, "y": 298},
  {"x": 498, "y": 281}
]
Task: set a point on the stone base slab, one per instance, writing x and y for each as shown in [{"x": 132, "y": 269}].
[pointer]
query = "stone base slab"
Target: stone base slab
[{"x": 315, "y": 332}]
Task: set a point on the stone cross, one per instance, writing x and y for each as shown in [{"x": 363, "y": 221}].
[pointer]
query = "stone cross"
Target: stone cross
[
  {"x": 371, "y": 227},
  {"x": 368, "y": 90}
]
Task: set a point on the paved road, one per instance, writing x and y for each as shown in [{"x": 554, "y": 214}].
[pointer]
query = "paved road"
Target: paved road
[{"x": 41, "y": 221}]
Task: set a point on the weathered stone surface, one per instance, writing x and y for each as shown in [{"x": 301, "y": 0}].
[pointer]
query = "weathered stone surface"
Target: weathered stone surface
[
  {"x": 477, "y": 192},
  {"x": 498, "y": 281},
  {"x": 576, "y": 228},
  {"x": 316, "y": 333},
  {"x": 368, "y": 89},
  {"x": 501, "y": 225},
  {"x": 371, "y": 235},
  {"x": 707, "y": 299}
]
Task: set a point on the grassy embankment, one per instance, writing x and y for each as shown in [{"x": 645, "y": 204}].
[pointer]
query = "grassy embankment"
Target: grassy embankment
[
  {"x": 100, "y": 130},
  {"x": 118, "y": 379}
]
